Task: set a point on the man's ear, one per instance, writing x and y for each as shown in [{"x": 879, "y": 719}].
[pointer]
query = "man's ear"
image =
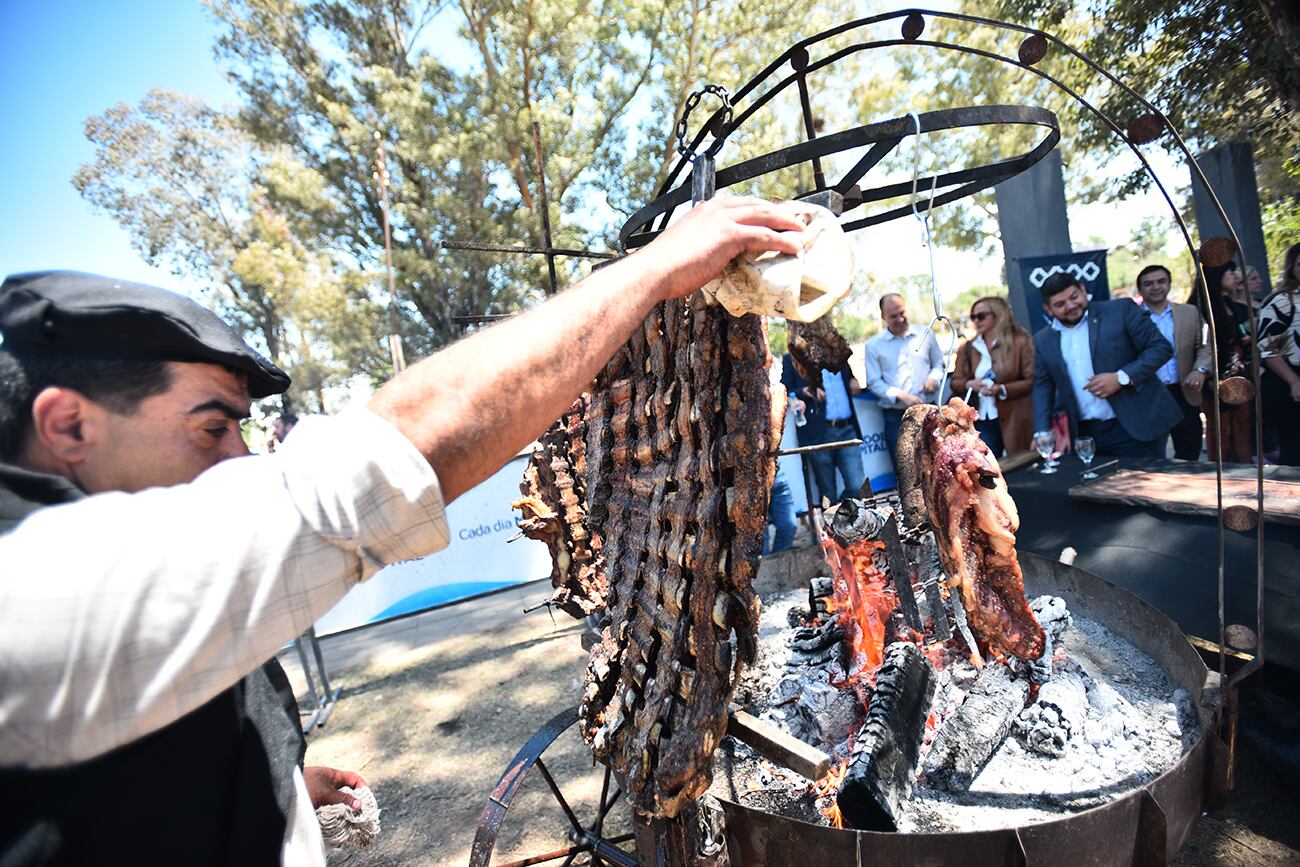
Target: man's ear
[{"x": 65, "y": 423}]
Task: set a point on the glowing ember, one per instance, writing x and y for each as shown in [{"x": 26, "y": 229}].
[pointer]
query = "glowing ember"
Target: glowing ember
[{"x": 827, "y": 788}]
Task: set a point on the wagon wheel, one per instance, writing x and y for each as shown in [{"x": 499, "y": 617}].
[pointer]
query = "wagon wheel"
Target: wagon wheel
[{"x": 584, "y": 838}]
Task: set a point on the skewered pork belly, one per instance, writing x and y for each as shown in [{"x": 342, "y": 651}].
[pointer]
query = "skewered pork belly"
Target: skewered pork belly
[{"x": 974, "y": 521}]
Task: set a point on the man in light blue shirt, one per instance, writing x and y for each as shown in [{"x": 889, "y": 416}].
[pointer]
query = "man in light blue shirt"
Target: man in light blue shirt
[{"x": 904, "y": 366}]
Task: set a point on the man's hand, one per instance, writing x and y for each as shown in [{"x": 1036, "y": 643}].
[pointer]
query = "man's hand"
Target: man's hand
[
  {"x": 1295, "y": 391},
  {"x": 323, "y": 785},
  {"x": 908, "y": 399},
  {"x": 798, "y": 405},
  {"x": 931, "y": 385},
  {"x": 1102, "y": 385},
  {"x": 697, "y": 247},
  {"x": 1194, "y": 380}
]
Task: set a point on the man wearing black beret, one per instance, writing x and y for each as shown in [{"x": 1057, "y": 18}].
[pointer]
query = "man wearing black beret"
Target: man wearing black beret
[{"x": 147, "y": 577}]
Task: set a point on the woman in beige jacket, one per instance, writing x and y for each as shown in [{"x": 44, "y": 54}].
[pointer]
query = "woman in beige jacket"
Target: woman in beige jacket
[{"x": 997, "y": 365}]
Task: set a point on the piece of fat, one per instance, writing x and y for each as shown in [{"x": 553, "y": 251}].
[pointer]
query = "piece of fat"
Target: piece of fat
[{"x": 803, "y": 286}]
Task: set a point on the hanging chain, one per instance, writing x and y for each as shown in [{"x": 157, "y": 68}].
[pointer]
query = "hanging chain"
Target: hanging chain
[
  {"x": 718, "y": 131},
  {"x": 927, "y": 242}
]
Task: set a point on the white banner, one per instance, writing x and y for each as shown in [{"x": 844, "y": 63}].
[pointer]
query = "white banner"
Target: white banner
[{"x": 477, "y": 560}]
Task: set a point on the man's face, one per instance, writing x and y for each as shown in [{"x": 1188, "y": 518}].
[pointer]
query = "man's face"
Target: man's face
[
  {"x": 171, "y": 437},
  {"x": 1069, "y": 306},
  {"x": 279, "y": 429},
  {"x": 895, "y": 313},
  {"x": 1154, "y": 288}
]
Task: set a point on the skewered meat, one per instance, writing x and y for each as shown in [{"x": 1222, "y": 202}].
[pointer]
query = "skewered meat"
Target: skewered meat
[
  {"x": 974, "y": 521},
  {"x": 817, "y": 346},
  {"x": 679, "y": 435},
  {"x": 554, "y": 511}
]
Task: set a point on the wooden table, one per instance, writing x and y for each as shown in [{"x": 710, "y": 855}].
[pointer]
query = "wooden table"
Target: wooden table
[{"x": 1191, "y": 490}]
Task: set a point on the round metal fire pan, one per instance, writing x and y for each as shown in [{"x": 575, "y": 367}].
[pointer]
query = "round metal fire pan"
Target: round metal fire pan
[{"x": 1144, "y": 826}]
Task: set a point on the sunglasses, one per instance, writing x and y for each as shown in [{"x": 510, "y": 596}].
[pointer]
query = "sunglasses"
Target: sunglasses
[{"x": 980, "y": 317}]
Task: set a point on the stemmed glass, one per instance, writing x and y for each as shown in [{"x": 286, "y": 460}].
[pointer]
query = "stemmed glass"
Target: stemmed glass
[
  {"x": 1044, "y": 443},
  {"x": 1086, "y": 449}
]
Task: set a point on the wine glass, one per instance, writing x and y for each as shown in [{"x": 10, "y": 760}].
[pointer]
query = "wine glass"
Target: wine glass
[
  {"x": 1044, "y": 444},
  {"x": 1086, "y": 449}
]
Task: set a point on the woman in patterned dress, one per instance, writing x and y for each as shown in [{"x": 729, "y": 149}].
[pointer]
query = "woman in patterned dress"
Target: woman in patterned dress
[{"x": 1279, "y": 347}]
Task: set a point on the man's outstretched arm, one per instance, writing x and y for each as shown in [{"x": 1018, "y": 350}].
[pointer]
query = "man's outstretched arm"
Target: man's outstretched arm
[{"x": 475, "y": 404}]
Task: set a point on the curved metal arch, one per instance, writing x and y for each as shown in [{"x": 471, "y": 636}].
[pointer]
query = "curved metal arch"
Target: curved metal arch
[
  {"x": 797, "y": 56},
  {"x": 883, "y": 136}
]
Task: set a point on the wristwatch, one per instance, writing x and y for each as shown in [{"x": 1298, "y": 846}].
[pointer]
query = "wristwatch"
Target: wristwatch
[
  {"x": 1202, "y": 369},
  {"x": 1123, "y": 378}
]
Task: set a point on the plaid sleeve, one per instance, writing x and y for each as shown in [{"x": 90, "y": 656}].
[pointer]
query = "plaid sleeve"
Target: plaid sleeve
[{"x": 121, "y": 612}]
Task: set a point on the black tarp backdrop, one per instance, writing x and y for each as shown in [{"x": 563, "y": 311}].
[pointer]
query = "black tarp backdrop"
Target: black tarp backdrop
[
  {"x": 1088, "y": 267},
  {"x": 1169, "y": 560}
]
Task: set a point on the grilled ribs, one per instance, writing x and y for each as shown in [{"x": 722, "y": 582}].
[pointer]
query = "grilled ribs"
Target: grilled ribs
[
  {"x": 679, "y": 434},
  {"x": 554, "y": 511},
  {"x": 974, "y": 521}
]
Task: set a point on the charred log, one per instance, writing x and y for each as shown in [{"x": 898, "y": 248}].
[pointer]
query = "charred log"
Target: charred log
[
  {"x": 852, "y": 520},
  {"x": 885, "y": 750},
  {"x": 968, "y": 738}
]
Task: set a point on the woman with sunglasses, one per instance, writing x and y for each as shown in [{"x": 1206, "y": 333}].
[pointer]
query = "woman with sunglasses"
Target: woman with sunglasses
[{"x": 997, "y": 367}]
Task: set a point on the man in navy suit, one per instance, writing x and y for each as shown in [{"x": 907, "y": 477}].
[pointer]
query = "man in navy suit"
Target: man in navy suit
[{"x": 1101, "y": 361}]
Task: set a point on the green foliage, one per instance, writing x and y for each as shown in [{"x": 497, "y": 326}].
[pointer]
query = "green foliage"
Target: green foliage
[
  {"x": 1221, "y": 71},
  {"x": 196, "y": 194},
  {"x": 278, "y": 206}
]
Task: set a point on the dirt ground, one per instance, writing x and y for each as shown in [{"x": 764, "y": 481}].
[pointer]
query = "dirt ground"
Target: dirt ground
[{"x": 435, "y": 706}]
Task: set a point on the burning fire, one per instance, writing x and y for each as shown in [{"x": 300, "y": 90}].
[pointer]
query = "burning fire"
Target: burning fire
[
  {"x": 829, "y": 787},
  {"x": 862, "y": 602}
]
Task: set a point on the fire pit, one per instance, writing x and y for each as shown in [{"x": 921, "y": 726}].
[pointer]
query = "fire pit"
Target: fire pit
[{"x": 1104, "y": 761}]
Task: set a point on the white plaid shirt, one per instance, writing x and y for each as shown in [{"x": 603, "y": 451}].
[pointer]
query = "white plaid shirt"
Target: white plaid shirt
[{"x": 120, "y": 613}]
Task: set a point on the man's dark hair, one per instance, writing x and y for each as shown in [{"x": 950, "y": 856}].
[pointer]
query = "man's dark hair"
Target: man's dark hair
[
  {"x": 1058, "y": 283},
  {"x": 289, "y": 419},
  {"x": 1151, "y": 269},
  {"x": 117, "y": 384}
]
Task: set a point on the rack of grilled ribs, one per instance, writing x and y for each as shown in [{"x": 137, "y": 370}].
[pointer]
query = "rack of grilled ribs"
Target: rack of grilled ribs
[
  {"x": 680, "y": 430},
  {"x": 974, "y": 521},
  {"x": 817, "y": 346},
  {"x": 554, "y": 511}
]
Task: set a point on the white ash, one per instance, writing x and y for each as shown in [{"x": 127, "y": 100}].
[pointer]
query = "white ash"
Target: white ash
[{"x": 1129, "y": 726}]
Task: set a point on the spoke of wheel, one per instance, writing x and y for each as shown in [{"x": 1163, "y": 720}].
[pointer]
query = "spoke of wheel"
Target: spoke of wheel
[
  {"x": 572, "y": 852},
  {"x": 605, "y": 808},
  {"x": 559, "y": 796},
  {"x": 600, "y": 815}
]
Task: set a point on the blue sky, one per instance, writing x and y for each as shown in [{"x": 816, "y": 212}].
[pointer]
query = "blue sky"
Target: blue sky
[{"x": 61, "y": 62}]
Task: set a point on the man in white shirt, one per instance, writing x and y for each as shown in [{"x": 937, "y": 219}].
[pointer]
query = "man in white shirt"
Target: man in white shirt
[
  {"x": 904, "y": 366},
  {"x": 150, "y": 563}
]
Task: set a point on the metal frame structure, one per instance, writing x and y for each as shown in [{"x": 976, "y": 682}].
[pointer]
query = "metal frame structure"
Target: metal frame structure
[
  {"x": 1036, "y": 44},
  {"x": 882, "y": 138}
]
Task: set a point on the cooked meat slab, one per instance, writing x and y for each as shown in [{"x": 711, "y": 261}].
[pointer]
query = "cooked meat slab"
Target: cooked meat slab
[
  {"x": 554, "y": 511},
  {"x": 679, "y": 434},
  {"x": 974, "y": 521},
  {"x": 817, "y": 346}
]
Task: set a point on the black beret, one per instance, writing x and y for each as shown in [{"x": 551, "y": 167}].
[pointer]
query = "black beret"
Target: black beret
[{"x": 72, "y": 313}]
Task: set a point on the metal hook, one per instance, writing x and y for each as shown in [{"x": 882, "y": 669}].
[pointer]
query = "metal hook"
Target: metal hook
[{"x": 929, "y": 247}]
